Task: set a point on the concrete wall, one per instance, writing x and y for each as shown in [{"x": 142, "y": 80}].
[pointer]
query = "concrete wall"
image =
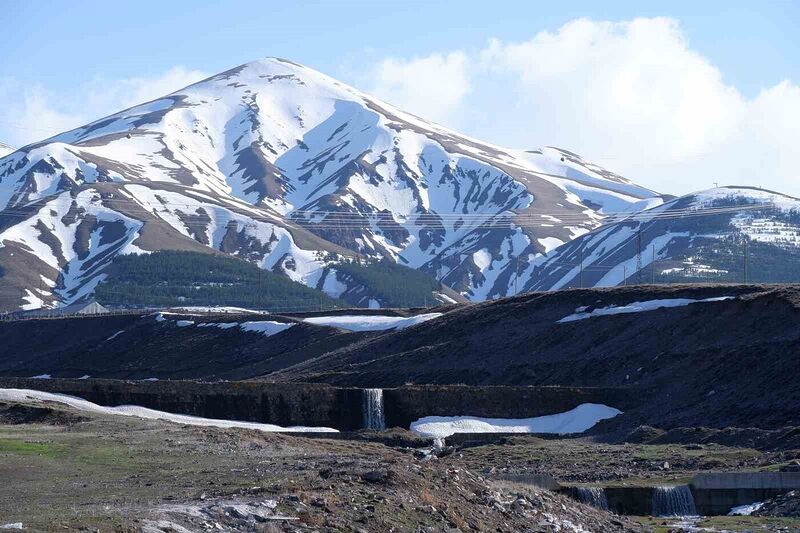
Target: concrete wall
[
  {"x": 717, "y": 492},
  {"x": 746, "y": 480},
  {"x": 712, "y": 502}
]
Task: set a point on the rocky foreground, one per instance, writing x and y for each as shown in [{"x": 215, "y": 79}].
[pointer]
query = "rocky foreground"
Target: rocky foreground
[{"x": 64, "y": 471}]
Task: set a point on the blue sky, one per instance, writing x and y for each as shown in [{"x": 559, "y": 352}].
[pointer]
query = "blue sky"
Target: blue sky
[
  {"x": 56, "y": 53},
  {"x": 754, "y": 43}
]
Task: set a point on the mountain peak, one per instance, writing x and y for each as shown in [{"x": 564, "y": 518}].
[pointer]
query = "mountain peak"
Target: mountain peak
[{"x": 292, "y": 170}]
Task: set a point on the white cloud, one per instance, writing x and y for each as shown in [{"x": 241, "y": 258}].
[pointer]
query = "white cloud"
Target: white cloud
[
  {"x": 32, "y": 113},
  {"x": 114, "y": 95},
  {"x": 439, "y": 85},
  {"x": 633, "y": 96}
]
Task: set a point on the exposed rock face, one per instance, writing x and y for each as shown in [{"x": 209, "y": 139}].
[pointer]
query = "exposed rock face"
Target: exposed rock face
[{"x": 290, "y": 169}]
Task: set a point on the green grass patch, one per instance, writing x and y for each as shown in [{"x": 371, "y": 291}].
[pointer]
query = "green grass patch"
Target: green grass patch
[{"x": 20, "y": 447}]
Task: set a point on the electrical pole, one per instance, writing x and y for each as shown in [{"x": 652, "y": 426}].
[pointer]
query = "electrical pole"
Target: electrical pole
[
  {"x": 745, "y": 259},
  {"x": 516, "y": 278},
  {"x": 653, "y": 266},
  {"x": 639, "y": 256},
  {"x": 625, "y": 275},
  {"x": 580, "y": 275}
]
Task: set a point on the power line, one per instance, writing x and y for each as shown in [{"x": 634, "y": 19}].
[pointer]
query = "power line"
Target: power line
[{"x": 344, "y": 221}]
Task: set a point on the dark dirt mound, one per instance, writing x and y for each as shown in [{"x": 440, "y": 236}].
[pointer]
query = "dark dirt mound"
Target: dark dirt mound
[
  {"x": 14, "y": 414},
  {"x": 787, "y": 438},
  {"x": 148, "y": 346}
]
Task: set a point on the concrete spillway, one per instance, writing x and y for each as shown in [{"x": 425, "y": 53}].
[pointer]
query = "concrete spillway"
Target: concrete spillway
[
  {"x": 594, "y": 496},
  {"x": 673, "y": 501}
]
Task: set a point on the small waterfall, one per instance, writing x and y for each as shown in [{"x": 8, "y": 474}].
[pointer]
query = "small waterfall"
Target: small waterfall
[
  {"x": 673, "y": 501},
  {"x": 373, "y": 409},
  {"x": 594, "y": 496}
]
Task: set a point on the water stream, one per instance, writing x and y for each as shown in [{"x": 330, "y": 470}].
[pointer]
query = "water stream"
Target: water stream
[{"x": 373, "y": 409}]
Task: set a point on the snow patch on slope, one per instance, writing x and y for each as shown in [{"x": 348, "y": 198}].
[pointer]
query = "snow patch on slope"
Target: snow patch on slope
[
  {"x": 637, "y": 307},
  {"x": 266, "y": 327},
  {"x": 370, "y": 322},
  {"x": 576, "y": 420},
  {"x": 28, "y": 396}
]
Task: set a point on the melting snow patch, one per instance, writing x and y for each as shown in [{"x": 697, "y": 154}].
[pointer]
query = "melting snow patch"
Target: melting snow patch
[
  {"x": 114, "y": 336},
  {"x": 12, "y": 525},
  {"x": 370, "y": 322},
  {"x": 576, "y": 420},
  {"x": 184, "y": 323},
  {"x": 42, "y": 376},
  {"x": 222, "y": 310},
  {"x": 745, "y": 510},
  {"x": 33, "y": 396},
  {"x": 581, "y": 313},
  {"x": 266, "y": 327},
  {"x": 85, "y": 376},
  {"x": 220, "y": 325},
  {"x": 160, "y": 318}
]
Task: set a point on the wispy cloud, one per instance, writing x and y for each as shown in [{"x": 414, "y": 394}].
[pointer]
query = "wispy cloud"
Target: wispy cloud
[{"x": 31, "y": 113}]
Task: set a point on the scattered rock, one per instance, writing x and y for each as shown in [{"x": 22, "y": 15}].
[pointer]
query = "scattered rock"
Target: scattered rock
[
  {"x": 785, "y": 505},
  {"x": 376, "y": 476}
]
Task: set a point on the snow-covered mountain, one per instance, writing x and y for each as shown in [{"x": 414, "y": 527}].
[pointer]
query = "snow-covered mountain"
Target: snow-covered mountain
[
  {"x": 682, "y": 236},
  {"x": 288, "y": 168},
  {"x": 5, "y": 149}
]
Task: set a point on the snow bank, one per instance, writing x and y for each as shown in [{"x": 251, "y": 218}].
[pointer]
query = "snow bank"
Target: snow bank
[
  {"x": 576, "y": 420},
  {"x": 115, "y": 335},
  {"x": 220, "y": 325},
  {"x": 370, "y": 323},
  {"x": 218, "y": 309},
  {"x": 636, "y": 307},
  {"x": 266, "y": 327},
  {"x": 33, "y": 396},
  {"x": 745, "y": 510}
]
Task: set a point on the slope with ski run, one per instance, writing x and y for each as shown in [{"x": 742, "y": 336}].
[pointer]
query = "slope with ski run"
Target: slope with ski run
[
  {"x": 607, "y": 256},
  {"x": 291, "y": 169}
]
